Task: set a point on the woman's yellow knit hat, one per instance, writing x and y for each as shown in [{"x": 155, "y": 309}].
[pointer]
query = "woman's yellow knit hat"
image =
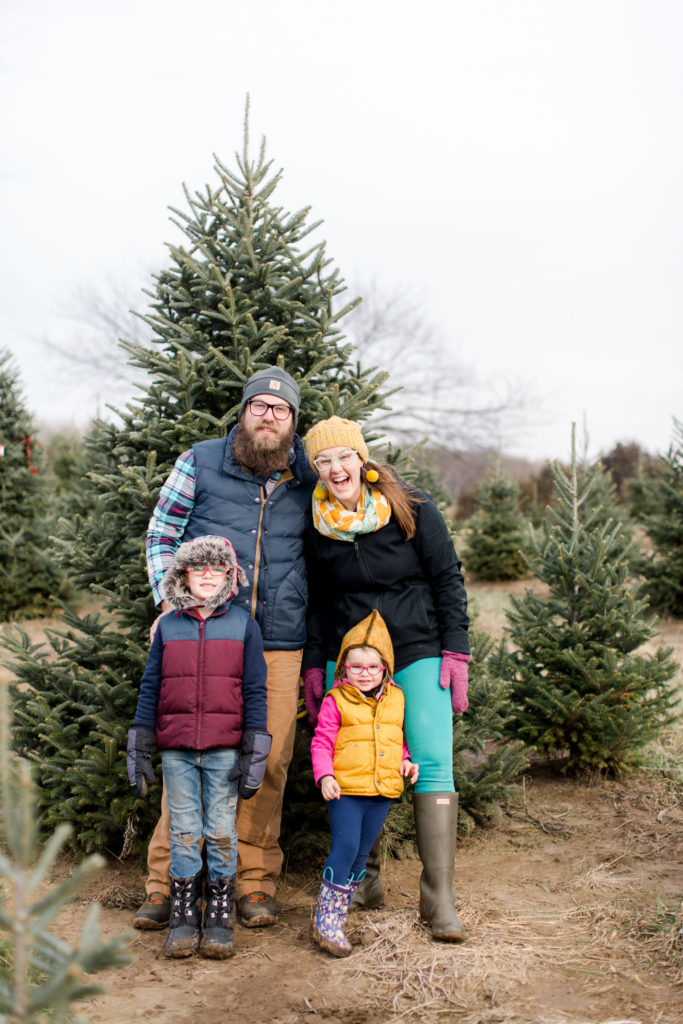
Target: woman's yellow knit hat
[
  {"x": 335, "y": 433},
  {"x": 371, "y": 632}
]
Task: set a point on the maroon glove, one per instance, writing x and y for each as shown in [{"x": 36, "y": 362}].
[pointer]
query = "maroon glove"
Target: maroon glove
[
  {"x": 314, "y": 685},
  {"x": 454, "y": 675}
]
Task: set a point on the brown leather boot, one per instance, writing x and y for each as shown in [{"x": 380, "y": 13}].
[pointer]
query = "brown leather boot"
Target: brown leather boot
[{"x": 436, "y": 820}]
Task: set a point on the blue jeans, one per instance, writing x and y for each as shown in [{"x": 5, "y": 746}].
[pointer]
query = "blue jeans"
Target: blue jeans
[
  {"x": 355, "y": 823},
  {"x": 202, "y": 804},
  {"x": 428, "y": 725}
]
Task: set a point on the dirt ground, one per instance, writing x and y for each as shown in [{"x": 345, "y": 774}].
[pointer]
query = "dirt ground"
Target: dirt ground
[{"x": 573, "y": 906}]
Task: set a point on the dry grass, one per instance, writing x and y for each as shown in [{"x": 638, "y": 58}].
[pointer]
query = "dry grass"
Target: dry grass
[
  {"x": 409, "y": 975},
  {"x": 600, "y": 933}
]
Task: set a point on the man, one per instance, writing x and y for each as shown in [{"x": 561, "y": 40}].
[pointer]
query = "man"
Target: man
[{"x": 253, "y": 487}]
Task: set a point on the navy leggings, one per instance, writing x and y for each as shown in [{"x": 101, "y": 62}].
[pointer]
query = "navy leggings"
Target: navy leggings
[{"x": 355, "y": 823}]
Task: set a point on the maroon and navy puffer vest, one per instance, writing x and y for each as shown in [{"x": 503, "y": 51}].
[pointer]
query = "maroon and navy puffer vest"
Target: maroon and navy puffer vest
[{"x": 200, "y": 703}]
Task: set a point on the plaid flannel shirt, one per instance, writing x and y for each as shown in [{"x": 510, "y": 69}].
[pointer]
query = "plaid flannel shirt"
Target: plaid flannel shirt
[{"x": 169, "y": 520}]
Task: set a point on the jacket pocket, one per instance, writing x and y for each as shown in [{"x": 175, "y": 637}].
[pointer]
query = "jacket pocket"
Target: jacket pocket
[{"x": 286, "y": 618}]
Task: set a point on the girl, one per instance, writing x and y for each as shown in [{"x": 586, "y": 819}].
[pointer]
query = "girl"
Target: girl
[{"x": 359, "y": 759}]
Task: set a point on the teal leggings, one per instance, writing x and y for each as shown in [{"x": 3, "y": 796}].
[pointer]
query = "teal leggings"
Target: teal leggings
[{"x": 428, "y": 723}]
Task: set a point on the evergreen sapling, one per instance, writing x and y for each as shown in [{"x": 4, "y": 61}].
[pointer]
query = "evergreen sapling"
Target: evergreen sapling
[
  {"x": 582, "y": 688},
  {"x": 497, "y": 532}
]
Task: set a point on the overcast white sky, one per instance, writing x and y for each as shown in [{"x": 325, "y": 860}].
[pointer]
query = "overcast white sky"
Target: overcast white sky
[{"x": 517, "y": 164}]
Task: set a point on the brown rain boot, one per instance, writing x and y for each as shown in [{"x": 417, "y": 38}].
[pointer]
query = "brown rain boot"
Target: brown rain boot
[
  {"x": 436, "y": 820},
  {"x": 370, "y": 894}
]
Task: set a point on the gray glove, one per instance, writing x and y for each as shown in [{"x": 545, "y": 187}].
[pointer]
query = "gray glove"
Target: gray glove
[
  {"x": 251, "y": 766},
  {"x": 139, "y": 758}
]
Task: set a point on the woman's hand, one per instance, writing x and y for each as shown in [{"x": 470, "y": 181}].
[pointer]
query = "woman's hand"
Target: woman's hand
[
  {"x": 409, "y": 770},
  {"x": 454, "y": 675},
  {"x": 330, "y": 787},
  {"x": 314, "y": 684}
]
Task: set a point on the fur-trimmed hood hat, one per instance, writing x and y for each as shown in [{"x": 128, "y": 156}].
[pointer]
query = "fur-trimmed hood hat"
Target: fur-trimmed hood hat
[
  {"x": 371, "y": 632},
  {"x": 193, "y": 554}
]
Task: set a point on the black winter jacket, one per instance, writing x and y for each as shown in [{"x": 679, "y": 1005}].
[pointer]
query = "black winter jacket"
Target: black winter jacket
[{"x": 416, "y": 586}]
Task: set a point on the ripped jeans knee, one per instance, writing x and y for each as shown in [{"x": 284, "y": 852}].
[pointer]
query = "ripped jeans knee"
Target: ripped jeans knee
[{"x": 202, "y": 804}]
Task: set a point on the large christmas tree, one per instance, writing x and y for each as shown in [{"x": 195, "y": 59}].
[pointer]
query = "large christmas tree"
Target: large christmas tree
[
  {"x": 246, "y": 289},
  {"x": 581, "y": 686},
  {"x": 32, "y": 582}
]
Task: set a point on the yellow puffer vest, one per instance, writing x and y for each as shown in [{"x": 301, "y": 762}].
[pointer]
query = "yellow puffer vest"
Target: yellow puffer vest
[{"x": 369, "y": 747}]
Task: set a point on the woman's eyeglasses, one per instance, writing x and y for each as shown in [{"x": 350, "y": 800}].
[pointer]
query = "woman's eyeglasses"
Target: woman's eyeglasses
[
  {"x": 259, "y": 408},
  {"x": 344, "y": 459},
  {"x": 372, "y": 670},
  {"x": 213, "y": 570}
]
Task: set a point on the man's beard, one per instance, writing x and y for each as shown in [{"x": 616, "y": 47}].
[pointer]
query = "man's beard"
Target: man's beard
[{"x": 262, "y": 454}]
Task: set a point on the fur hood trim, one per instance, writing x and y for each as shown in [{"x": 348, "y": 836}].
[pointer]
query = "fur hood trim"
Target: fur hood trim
[{"x": 208, "y": 550}]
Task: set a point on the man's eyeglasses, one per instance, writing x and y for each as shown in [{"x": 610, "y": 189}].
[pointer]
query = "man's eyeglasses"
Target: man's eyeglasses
[
  {"x": 259, "y": 408},
  {"x": 344, "y": 459},
  {"x": 372, "y": 670},
  {"x": 213, "y": 570}
]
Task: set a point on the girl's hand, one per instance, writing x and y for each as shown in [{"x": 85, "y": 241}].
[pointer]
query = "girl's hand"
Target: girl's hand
[
  {"x": 409, "y": 770},
  {"x": 330, "y": 788}
]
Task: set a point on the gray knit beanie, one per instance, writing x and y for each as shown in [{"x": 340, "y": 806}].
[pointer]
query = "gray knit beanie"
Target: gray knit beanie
[{"x": 276, "y": 382}]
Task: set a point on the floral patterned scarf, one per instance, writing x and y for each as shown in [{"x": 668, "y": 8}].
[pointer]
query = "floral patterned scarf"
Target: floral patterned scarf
[{"x": 333, "y": 520}]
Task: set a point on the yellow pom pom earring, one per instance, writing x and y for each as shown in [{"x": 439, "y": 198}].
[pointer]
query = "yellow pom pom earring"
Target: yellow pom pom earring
[
  {"x": 320, "y": 492},
  {"x": 372, "y": 476}
]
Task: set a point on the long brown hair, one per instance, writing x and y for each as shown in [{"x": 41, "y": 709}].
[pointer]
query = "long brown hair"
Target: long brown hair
[{"x": 401, "y": 496}]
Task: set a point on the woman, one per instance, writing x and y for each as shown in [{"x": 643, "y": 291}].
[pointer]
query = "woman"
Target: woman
[{"x": 377, "y": 543}]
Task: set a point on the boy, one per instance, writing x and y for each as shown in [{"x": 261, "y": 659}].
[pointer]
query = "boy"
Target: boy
[{"x": 203, "y": 693}]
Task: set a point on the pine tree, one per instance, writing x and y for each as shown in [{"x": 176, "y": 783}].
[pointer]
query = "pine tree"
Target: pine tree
[
  {"x": 31, "y": 580},
  {"x": 246, "y": 289},
  {"x": 485, "y": 761},
  {"x": 603, "y": 500},
  {"x": 580, "y": 686},
  {"x": 662, "y": 517},
  {"x": 40, "y": 974},
  {"x": 498, "y": 534}
]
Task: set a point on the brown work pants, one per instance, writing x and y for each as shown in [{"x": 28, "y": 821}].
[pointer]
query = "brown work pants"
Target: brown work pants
[{"x": 259, "y": 857}]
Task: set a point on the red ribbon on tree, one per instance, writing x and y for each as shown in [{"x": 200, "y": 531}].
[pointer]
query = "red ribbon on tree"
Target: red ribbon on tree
[{"x": 27, "y": 443}]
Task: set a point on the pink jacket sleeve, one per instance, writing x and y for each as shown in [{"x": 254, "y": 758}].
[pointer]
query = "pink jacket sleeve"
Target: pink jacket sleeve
[{"x": 324, "y": 739}]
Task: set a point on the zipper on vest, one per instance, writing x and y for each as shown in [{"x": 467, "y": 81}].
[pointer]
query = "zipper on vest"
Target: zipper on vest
[
  {"x": 257, "y": 553},
  {"x": 200, "y": 687}
]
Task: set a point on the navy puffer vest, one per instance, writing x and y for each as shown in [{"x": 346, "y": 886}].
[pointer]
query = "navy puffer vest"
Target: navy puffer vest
[{"x": 266, "y": 532}]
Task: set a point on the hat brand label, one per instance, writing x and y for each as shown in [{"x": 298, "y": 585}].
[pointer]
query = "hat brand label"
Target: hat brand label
[{"x": 274, "y": 385}]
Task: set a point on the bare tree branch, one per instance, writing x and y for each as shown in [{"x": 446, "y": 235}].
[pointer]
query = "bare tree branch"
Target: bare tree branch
[
  {"x": 440, "y": 394},
  {"x": 96, "y": 320}
]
